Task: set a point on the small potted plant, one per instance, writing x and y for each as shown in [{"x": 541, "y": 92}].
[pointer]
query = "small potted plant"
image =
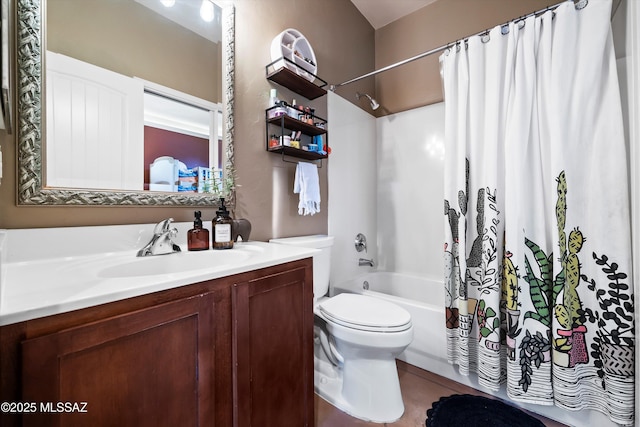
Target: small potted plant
[{"x": 221, "y": 186}]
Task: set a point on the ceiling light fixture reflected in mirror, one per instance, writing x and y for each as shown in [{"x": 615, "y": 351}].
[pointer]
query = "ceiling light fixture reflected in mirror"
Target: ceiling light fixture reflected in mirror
[
  {"x": 206, "y": 11},
  {"x": 189, "y": 14}
]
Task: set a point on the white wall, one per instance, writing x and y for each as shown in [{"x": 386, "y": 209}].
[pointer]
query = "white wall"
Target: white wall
[
  {"x": 411, "y": 191},
  {"x": 352, "y": 171},
  {"x": 386, "y": 180}
]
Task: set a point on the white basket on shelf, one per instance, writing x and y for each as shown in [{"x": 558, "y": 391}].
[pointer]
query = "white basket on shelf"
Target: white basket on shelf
[{"x": 291, "y": 44}]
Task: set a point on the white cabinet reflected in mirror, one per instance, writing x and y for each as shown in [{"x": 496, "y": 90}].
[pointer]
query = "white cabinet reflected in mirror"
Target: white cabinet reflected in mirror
[{"x": 129, "y": 84}]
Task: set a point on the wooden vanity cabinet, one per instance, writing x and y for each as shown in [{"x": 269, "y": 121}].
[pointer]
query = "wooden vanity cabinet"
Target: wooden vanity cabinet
[
  {"x": 273, "y": 350},
  {"x": 144, "y": 368},
  {"x": 235, "y": 351}
]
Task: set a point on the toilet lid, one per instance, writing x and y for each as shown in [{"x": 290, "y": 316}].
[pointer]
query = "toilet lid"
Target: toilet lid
[{"x": 365, "y": 313}]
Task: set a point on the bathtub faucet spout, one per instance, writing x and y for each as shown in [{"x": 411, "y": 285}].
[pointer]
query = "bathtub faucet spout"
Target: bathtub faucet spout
[{"x": 364, "y": 261}]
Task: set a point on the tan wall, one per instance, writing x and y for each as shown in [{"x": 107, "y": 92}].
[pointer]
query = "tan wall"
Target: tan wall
[
  {"x": 418, "y": 83},
  {"x": 344, "y": 46},
  {"x": 343, "y": 43}
]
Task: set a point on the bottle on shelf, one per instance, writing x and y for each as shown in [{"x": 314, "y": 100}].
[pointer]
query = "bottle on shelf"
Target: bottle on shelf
[{"x": 273, "y": 98}]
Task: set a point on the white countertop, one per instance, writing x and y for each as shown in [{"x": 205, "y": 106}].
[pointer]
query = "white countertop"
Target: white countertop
[{"x": 51, "y": 271}]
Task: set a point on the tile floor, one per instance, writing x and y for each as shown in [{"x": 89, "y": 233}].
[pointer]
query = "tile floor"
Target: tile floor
[{"x": 419, "y": 389}]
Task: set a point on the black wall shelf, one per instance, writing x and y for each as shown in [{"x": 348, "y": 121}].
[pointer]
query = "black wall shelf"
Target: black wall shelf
[
  {"x": 297, "y": 125},
  {"x": 287, "y": 77},
  {"x": 292, "y": 81},
  {"x": 297, "y": 152}
]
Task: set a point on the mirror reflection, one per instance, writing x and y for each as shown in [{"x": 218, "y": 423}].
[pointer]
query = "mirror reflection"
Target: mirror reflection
[{"x": 135, "y": 102}]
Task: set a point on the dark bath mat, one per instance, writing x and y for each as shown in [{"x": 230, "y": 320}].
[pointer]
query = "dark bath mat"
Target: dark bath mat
[{"x": 476, "y": 411}]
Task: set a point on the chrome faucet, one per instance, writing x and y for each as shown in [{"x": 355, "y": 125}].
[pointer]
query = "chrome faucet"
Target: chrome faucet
[
  {"x": 364, "y": 261},
  {"x": 161, "y": 242}
]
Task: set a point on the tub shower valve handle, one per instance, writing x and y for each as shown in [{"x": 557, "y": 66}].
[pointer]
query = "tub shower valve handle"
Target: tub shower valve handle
[{"x": 361, "y": 243}]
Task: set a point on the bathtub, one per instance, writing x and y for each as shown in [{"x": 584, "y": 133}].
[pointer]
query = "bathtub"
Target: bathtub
[{"x": 424, "y": 299}]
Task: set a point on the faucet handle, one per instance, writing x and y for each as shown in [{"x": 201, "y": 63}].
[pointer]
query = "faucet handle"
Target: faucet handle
[
  {"x": 163, "y": 226},
  {"x": 361, "y": 243}
]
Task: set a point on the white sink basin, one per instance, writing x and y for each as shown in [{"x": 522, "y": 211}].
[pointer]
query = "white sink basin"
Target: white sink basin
[
  {"x": 79, "y": 272},
  {"x": 175, "y": 263}
]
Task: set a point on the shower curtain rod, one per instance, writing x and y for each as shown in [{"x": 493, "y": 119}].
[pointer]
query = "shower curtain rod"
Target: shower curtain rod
[{"x": 579, "y": 4}]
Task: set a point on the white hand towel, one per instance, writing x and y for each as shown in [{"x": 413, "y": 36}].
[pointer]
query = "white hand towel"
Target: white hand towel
[{"x": 307, "y": 183}]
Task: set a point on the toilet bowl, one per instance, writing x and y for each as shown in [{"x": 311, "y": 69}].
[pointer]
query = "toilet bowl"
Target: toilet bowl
[
  {"x": 356, "y": 341},
  {"x": 368, "y": 334}
]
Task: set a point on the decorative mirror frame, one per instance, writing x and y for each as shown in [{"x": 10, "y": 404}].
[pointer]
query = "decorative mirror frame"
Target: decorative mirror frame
[{"x": 30, "y": 130}]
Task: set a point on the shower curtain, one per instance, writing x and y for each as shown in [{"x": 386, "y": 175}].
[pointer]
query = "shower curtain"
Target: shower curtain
[{"x": 537, "y": 228}]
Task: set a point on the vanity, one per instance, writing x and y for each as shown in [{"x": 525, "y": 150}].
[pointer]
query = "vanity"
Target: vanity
[{"x": 92, "y": 335}]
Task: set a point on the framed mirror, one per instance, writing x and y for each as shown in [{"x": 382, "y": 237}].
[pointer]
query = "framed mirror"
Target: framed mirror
[{"x": 32, "y": 123}]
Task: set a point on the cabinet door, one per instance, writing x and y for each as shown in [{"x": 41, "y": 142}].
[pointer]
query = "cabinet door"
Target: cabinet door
[
  {"x": 151, "y": 367},
  {"x": 95, "y": 126},
  {"x": 273, "y": 350}
]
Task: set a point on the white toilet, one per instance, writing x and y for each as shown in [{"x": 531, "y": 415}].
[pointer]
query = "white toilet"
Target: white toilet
[{"x": 357, "y": 339}]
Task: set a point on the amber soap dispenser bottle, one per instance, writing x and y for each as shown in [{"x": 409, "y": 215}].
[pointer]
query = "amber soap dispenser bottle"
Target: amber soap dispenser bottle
[
  {"x": 198, "y": 237},
  {"x": 222, "y": 228}
]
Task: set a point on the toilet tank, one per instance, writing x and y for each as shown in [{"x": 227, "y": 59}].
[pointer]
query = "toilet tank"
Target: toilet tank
[{"x": 321, "y": 261}]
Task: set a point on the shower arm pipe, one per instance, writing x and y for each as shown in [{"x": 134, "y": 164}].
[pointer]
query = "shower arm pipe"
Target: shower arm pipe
[{"x": 580, "y": 4}]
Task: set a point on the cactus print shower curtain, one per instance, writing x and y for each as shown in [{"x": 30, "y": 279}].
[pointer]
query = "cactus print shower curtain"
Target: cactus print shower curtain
[{"x": 537, "y": 229}]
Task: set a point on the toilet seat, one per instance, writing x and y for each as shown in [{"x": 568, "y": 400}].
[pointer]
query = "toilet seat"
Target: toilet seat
[{"x": 365, "y": 313}]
